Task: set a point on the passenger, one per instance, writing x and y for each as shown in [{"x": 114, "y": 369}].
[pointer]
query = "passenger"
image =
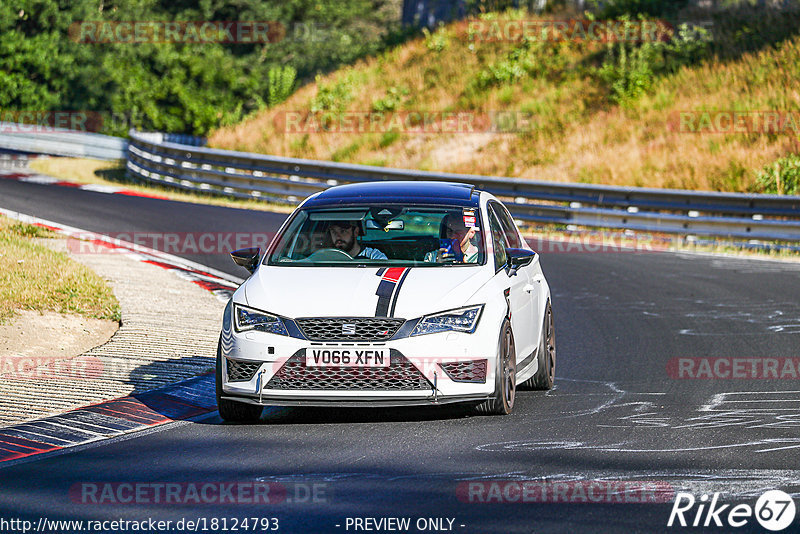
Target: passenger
[
  {"x": 345, "y": 234},
  {"x": 452, "y": 227}
]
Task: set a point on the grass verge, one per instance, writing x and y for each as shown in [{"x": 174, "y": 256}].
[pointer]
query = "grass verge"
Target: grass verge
[{"x": 34, "y": 277}]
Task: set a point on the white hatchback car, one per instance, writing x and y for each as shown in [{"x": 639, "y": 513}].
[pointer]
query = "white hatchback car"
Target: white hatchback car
[{"x": 388, "y": 294}]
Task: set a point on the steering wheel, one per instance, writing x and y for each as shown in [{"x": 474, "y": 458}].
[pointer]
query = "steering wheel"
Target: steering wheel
[{"x": 329, "y": 254}]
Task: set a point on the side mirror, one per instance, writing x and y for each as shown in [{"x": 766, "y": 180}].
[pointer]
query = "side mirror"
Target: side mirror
[
  {"x": 247, "y": 258},
  {"x": 517, "y": 258}
]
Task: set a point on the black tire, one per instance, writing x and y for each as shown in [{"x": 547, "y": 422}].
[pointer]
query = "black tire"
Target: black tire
[
  {"x": 546, "y": 355},
  {"x": 505, "y": 387},
  {"x": 232, "y": 411}
]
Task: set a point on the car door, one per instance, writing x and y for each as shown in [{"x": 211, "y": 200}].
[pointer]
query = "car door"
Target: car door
[
  {"x": 519, "y": 298},
  {"x": 531, "y": 272}
]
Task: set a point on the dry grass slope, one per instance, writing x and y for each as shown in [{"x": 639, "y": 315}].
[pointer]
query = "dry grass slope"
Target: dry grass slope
[{"x": 578, "y": 134}]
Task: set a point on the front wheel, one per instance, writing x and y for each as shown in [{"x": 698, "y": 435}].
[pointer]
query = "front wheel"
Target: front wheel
[
  {"x": 505, "y": 382},
  {"x": 546, "y": 355},
  {"x": 229, "y": 410}
]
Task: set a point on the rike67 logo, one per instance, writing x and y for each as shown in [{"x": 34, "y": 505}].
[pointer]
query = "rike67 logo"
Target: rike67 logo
[{"x": 774, "y": 510}]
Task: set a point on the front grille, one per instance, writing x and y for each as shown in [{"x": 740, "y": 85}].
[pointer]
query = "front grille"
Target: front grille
[
  {"x": 335, "y": 328},
  {"x": 241, "y": 371},
  {"x": 466, "y": 371},
  {"x": 400, "y": 375}
]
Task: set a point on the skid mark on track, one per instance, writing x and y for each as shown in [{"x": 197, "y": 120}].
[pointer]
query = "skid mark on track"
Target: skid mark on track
[
  {"x": 747, "y": 410},
  {"x": 753, "y": 401},
  {"x": 737, "y": 318},
  {"x": 608, "y": 392},
  {"x": 767, "y": 445},
  {"x": 730, "y": 483}
]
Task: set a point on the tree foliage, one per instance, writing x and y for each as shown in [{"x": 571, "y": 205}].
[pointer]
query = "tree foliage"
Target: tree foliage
[{"x": 181, "y": 87}]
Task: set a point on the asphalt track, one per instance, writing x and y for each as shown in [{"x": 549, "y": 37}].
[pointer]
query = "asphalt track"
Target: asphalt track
[{"x": 619, "y": 414}]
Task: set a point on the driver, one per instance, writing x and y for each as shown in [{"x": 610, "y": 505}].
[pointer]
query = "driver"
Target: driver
[{"x": 344, "y": 236}]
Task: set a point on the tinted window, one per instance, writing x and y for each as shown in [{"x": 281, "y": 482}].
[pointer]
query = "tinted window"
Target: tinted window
[
  {"x": 498, "y": 241},
  {"x": 387, "y": 234},
  {"x": 507, "y": 222}
]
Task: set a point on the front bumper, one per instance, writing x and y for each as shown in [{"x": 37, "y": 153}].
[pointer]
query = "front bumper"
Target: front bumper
[
  {"x": 364, "y": 401},
  {"x": 427, "y": 362}
]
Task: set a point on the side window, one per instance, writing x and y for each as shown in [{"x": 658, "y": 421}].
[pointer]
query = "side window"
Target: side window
[
  {"x": 509, "y": 228},
  {"x": 498, "y": 241}
]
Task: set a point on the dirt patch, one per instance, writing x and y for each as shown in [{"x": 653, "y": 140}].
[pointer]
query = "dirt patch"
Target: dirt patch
[{"x": 50, "y": 335}]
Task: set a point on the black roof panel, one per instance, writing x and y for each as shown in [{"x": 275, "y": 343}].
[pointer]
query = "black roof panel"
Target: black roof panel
[{"x": 447, "y": 193}]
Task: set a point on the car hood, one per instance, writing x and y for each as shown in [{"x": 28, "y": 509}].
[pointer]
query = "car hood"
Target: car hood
[{"x": 351, "y": 292}]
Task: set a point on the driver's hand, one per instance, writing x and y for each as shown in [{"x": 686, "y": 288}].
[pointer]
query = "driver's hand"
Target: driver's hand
[{"x": 443, "y": 255}]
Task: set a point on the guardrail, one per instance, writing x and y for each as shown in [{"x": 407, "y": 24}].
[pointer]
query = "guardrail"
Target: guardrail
[
  {"x": 38, "y": 139},
  {"x": 290, "y": 180},
  {"x": 60, "y": 142}
]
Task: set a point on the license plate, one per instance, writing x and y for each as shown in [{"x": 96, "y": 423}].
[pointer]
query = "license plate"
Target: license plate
[{"x": 347, "y": 357}]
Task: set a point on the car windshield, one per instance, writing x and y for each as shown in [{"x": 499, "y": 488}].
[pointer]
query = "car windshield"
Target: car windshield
[{"x": 397, "y": 235}]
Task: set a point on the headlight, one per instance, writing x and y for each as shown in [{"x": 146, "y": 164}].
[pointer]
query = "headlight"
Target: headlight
[
  {"x": 460, "y": 320},
  {"x": 250, "y": 319}
]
